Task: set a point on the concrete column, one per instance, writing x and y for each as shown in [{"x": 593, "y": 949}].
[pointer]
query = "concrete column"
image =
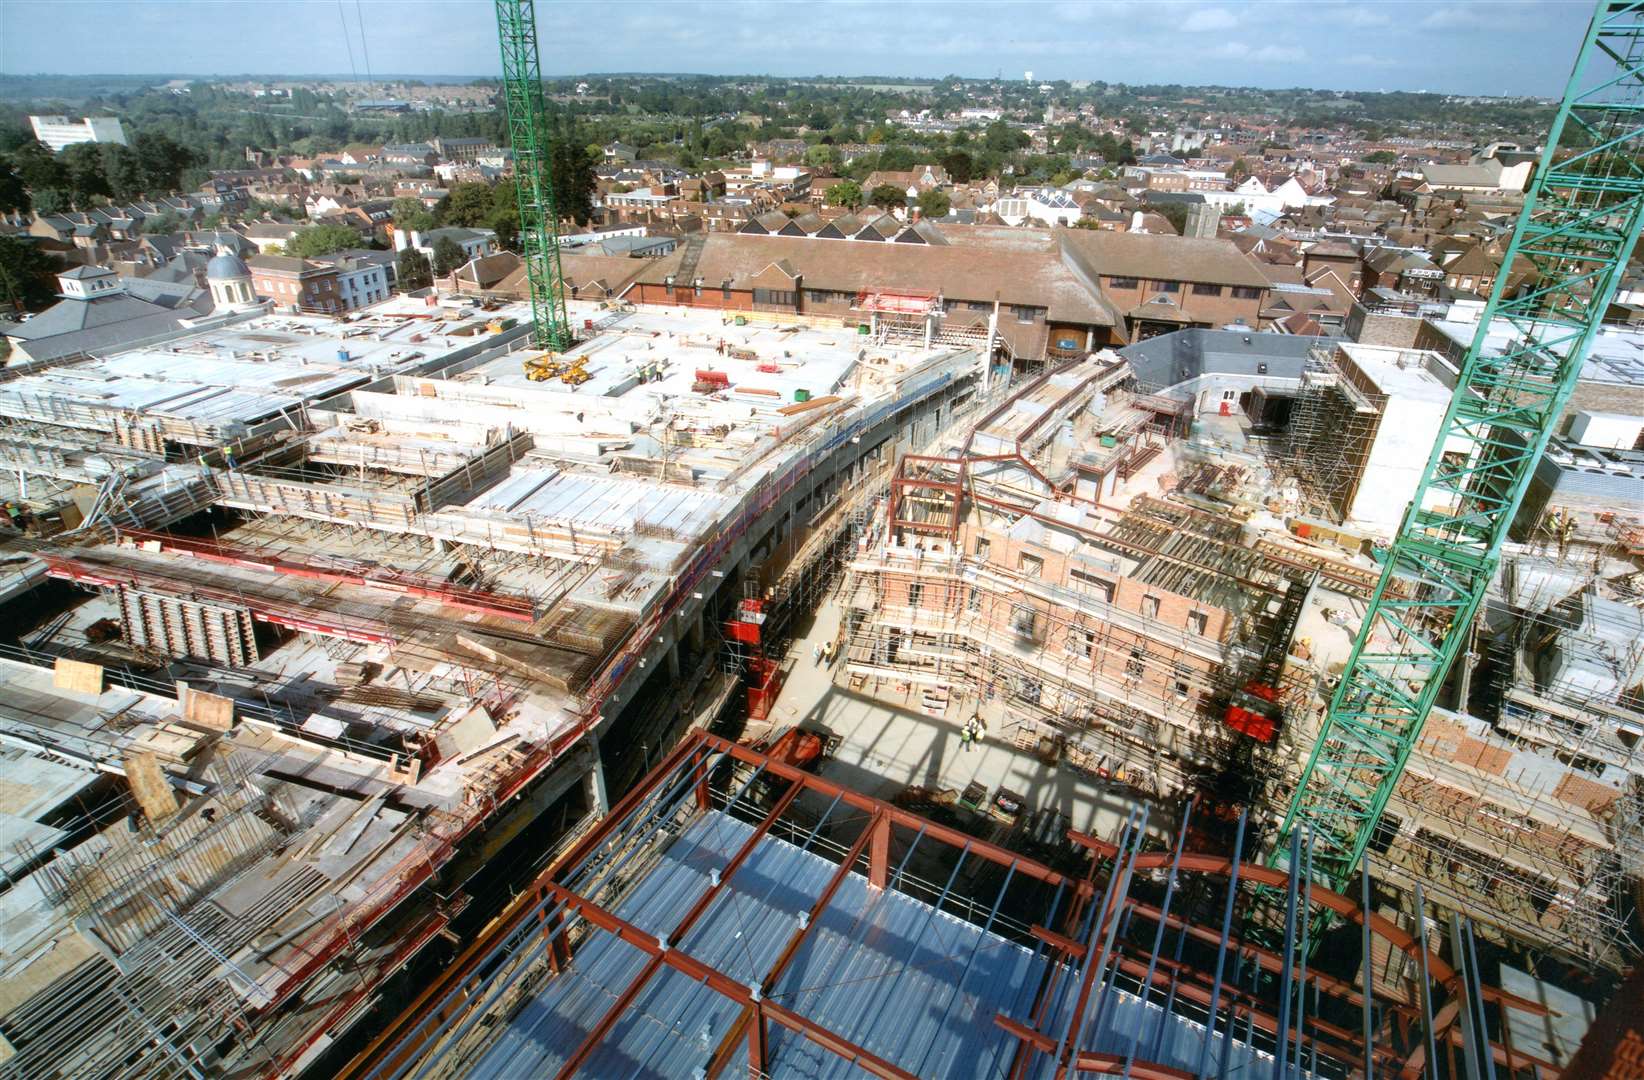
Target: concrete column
[
  {"x": 930, "y": 330},
  {"x": 673, "y": 662},
  {"x": 597, "y": 794}
]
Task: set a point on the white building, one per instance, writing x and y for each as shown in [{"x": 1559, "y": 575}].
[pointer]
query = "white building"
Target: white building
[
  {"x": 360, "y": 283},
  {"x": 1046, "y": 206},
  {"x": 59, "y": 131}
]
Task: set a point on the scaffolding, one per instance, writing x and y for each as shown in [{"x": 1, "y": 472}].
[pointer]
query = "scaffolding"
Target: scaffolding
[{"x": 1333, "y": 425}]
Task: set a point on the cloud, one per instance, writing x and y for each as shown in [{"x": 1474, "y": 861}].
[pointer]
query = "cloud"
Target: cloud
[
  {"x": 1206, "y": 20},
  {"x": 1271, "y": 53}
]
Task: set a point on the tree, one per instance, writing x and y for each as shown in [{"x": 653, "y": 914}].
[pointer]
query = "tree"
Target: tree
[
  {"x": 321, "y": 240},
  {"x": 1239, "y": 171},
  {"x": 122, "y": 171},
  {"x": 414, "y": 271},
  {"x": 162, "y": 160},
  {"x": 163, "y": 223},
  {"x": 1176, "y": 214},
  {"x": 960, "y": 166},
  {"x": 888, "y": 197},
  {"x": 572, "y": 173},
  {"x": 13, "y": 195},
  {"x": 411, "y": 215},
  {"x": 448, "y": 255},
  {"x": 26, "y": 275},
  {"x": 43, "y": 175},
  {"x": 83, "y": 162},
  {"x": 846, "y": 193},
  {"x": 469, "y": 205},
  {"x": 822, "y": 157},
  {"x": 1381, "y": 157},
  {"x": 934, "y": 203}
]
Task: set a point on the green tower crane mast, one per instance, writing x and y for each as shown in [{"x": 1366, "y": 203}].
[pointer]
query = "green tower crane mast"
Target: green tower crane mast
[
  {"x": 1580, "y": 219},
  {"x": 533, "y": 176}
]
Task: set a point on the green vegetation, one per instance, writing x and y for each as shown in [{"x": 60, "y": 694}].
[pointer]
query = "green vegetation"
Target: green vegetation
[
  {"x": 321, "y": 240},
  {"x": 413, "y": 270}
]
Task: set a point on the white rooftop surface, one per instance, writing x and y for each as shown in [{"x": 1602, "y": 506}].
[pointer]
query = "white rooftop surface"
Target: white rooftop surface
[
  {"x": 607, "y": 502},
  {"x": 1616, "y": 354},
  {"x": 253, "y": 369},
  {"x": 815, "y": 359},
  {"x": 1401, "y": 374}
]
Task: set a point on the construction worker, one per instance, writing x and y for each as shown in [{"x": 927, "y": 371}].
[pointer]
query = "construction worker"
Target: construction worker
[
  {"x": 965, "y": 737},
  {"x": 1565, "y": 532}
]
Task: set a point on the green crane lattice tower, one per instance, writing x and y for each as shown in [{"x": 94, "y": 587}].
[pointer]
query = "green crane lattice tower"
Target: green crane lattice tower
[
  {"x": 1580, "y": 219},
  {"x": 533, "y": 176}
]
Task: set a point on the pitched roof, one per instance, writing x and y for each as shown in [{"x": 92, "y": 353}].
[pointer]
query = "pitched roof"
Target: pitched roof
[
  {"x": 1168, "y": 258},
  {"x": 1031, "y": 277}
]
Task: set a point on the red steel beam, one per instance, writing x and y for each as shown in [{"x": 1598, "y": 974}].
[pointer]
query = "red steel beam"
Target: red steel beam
[
  {"x": 728, "y": 987},
  {"x": 681, "y": 928},
  {"x": 727, "y": 1046}
]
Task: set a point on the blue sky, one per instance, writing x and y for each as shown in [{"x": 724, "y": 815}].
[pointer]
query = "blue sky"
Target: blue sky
[{"x": 1461, "y": 46}]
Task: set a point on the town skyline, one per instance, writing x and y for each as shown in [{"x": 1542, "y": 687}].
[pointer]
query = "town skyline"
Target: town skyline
[{"x": 1272, "y": 46}]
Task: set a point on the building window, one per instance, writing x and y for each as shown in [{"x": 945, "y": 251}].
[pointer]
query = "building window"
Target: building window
[
  {"x": 782, "y": 297},
  {"x": 1198, "y": 622},
  {"x": 1167, "y": 286},
  {"x": 982, "y": 546},
  {"x": 1090, "y": 583},
  {"x": 1150, "y": 606},
  {"x": 1179, "y": 682},
  {"x": 1024, "y": 314},
  {"x": 1082, "y": 642},
  {"x": 1136, "y": 664},
  {"x": 1031, "y": 565},
  {"x": 916, "y": 592},
  {"x": 1122, "y": 283},
  {"x": 1246, "y": 292},
  {"x": 1207, "y": 290},
  {"x": 975, "y": 600}
]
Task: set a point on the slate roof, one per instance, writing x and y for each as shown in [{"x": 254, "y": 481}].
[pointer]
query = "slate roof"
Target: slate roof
[{"x": 147, "y": 310}]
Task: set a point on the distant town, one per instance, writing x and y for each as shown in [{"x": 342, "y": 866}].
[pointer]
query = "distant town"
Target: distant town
[{"x": 688, "y": 576}]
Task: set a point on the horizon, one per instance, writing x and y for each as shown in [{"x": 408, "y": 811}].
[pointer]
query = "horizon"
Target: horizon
[{"x": 1511, "y": 48}]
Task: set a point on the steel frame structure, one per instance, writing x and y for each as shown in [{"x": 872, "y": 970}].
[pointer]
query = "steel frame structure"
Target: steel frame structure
[
  {"x": 533, "y": 176},
  {"x": 1581, "y": 217},
  {"x": 1102, "y": 941}
]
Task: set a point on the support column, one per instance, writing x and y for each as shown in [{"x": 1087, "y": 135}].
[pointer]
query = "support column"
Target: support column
[
  {"x": 598, "y": 795},
  {"x": 673, "y": 662}
]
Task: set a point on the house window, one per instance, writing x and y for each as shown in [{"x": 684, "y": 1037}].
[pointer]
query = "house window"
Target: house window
[
  {"x": 725, "y": 291},
  {"x": 1082, "y": 642},
  {"x": 1122, "y": 283},
  {"x": 1090, "y": 583},
  {"x": 1150, "y": 606},
  {"x": 1179, "y": 682},
  {"x": 1024, "y": 314},
  {"x": 916, "y": 592},
  {"x": 1031, "y": 565},
  {"x": 975, "y": 600},
  {"x": 1246, "y": 292},
  {"x": 1136, "y": 664},
  {"x": 982, "y": 546},
  {"x": 1207, "y": 290},
  {"x": 1167, "y": 286},
  {"x": 1198, "y": 622},
  {"x": 782, "y": 297}
]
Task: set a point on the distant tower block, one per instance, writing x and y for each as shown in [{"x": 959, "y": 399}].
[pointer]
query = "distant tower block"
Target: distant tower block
[{"x": 1027, "y": 76}]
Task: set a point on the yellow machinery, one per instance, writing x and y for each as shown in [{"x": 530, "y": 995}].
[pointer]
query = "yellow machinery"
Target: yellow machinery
[
  {"x": 577, "y": 373},
  {"x": 543, "y": 367}
]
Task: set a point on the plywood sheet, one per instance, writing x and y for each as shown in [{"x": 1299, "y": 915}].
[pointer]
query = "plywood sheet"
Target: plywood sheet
[
  {"x": 77, "y": 675},
  {"x": 149, "y": 786}
]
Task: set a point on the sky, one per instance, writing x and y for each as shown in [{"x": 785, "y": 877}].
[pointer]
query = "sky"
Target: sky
[{"x": 1462, "y": 46}]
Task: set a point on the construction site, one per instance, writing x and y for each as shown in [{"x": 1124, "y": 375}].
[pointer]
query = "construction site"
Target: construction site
[{"x": 595, "y": 688}]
